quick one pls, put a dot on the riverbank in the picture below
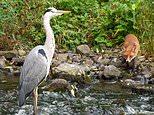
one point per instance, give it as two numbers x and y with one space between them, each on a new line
83 67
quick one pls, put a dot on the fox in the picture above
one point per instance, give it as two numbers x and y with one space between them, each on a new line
130 48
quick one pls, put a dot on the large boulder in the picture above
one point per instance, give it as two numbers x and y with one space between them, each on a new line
62 57
61 85
9 54
111 72
71 72
83 49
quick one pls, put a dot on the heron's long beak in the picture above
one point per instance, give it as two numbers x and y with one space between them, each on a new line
62 12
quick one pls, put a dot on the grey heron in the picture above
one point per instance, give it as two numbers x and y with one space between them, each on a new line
37 63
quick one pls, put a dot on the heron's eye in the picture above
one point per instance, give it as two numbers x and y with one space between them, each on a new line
49 10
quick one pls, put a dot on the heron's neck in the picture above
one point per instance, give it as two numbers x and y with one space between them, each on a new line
50 41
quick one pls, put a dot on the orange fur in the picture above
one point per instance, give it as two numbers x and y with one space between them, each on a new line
131 47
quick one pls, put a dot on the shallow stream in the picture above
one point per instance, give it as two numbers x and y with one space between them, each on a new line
96 99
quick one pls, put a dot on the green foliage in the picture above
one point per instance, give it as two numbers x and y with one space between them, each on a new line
94 22
146 29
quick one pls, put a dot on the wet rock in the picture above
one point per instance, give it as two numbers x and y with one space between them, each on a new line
116 61
105 61
116 51
147 74
76 60
137 86
94 67
109 52
101 67
151 68
57 85
9 54
99 74
71 72
142 79
142 89
61 85
100 60
21 52
111 72
94 58
83 49
88 62
106 56
62 57
129 83
2 61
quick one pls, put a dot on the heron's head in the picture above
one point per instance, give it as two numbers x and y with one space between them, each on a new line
51 12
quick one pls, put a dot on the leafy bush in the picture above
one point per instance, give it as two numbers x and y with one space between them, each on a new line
146 29
93 22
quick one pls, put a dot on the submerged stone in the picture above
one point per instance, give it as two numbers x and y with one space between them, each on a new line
129 83
142 89
57 84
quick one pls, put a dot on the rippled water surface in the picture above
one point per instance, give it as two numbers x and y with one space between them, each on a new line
97 99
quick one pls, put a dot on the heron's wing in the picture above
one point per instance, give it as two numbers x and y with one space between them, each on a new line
34 71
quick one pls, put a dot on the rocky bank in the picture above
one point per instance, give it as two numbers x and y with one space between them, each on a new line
85 67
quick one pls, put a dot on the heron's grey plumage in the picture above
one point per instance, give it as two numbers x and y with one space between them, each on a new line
37 64
34 70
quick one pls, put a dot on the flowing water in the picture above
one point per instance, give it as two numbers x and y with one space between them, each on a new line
96 99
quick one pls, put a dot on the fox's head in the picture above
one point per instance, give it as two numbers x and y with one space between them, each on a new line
129 53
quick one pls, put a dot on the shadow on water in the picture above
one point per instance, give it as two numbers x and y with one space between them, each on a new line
97 99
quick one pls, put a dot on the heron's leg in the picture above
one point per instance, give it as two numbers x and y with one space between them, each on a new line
35 95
